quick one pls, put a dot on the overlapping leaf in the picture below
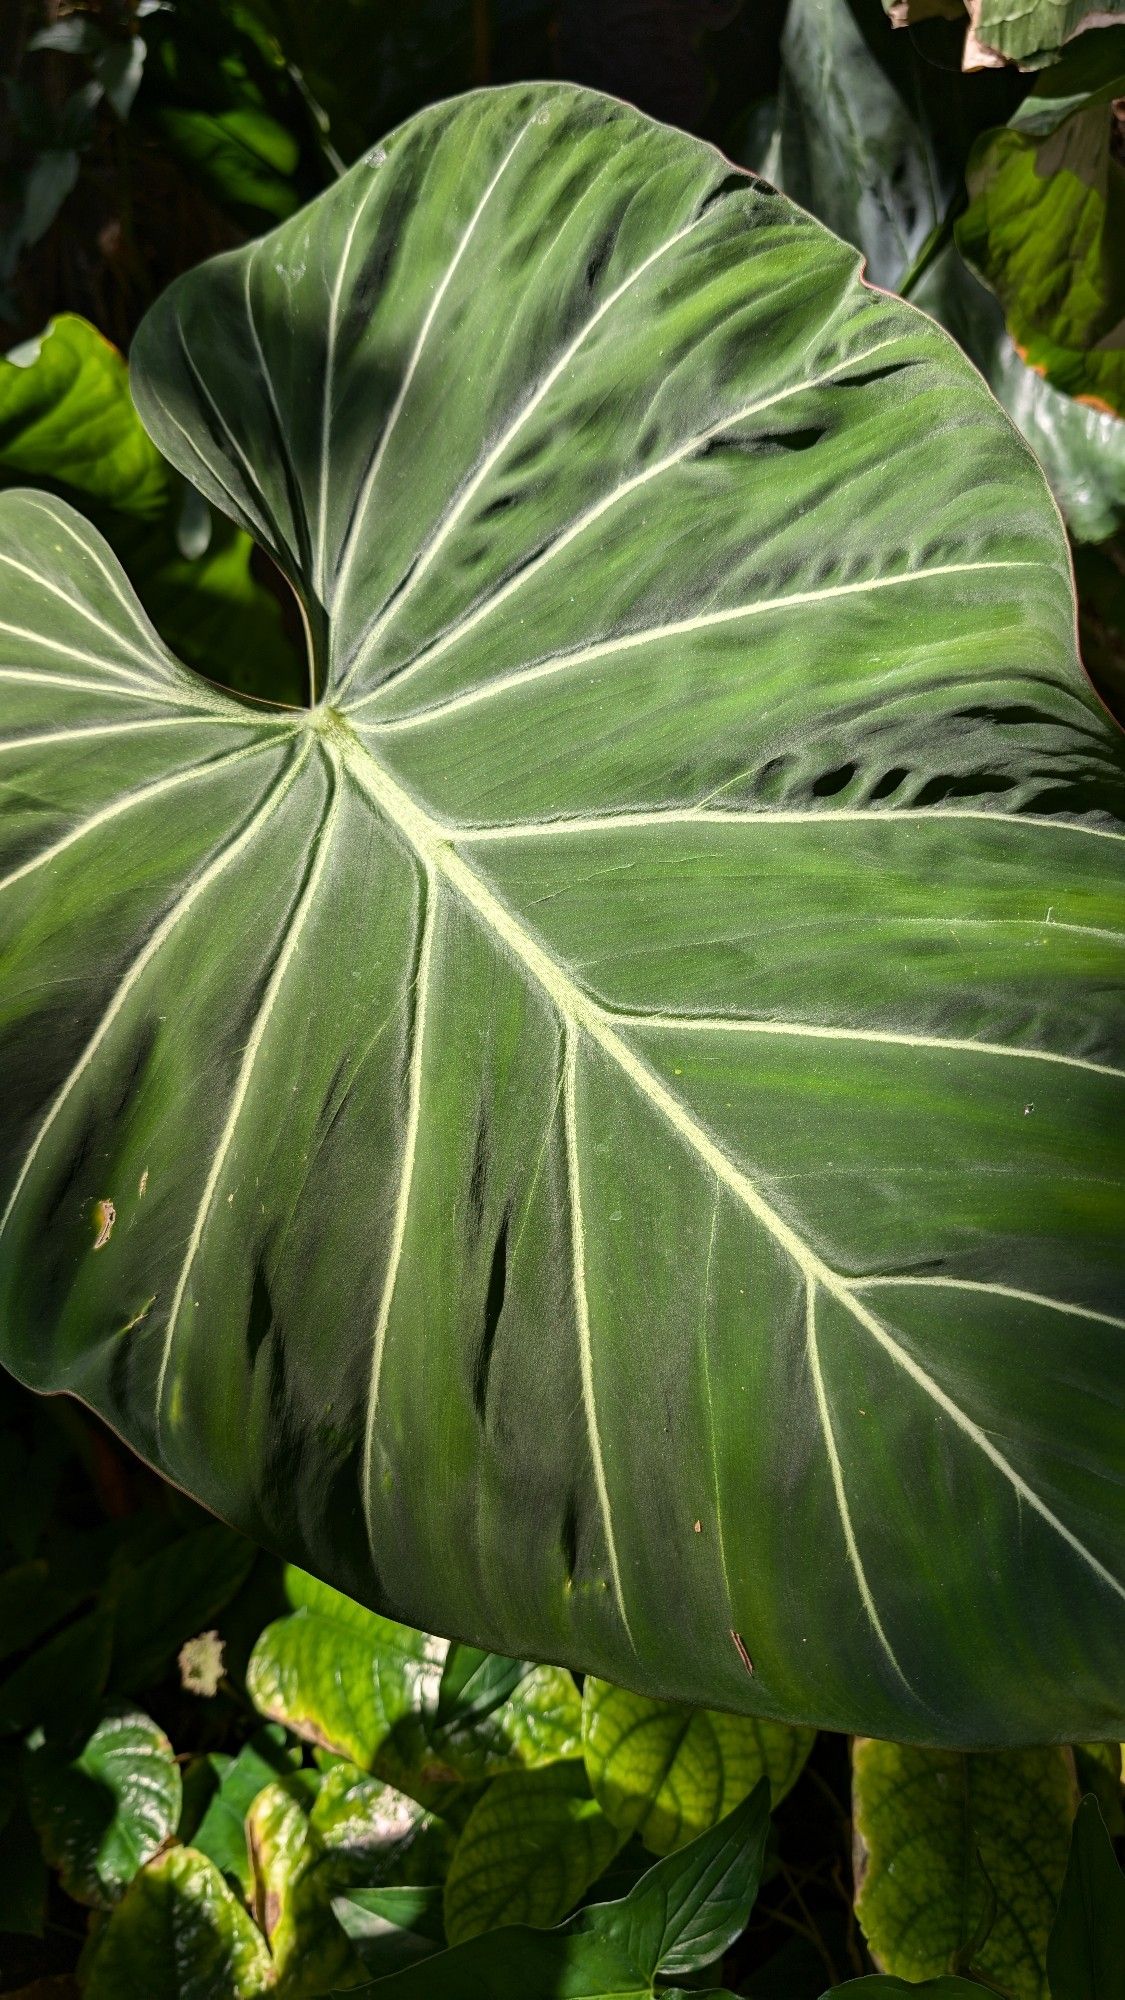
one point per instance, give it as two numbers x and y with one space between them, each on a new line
600 1136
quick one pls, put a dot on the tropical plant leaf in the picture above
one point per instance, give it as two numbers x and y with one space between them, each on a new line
938 1835
160 1602
681 1916
708 842
221 1833
874 138
1032 32
1045 225
103 1812
177 1934
527 1853
1086 1950
313 1839
667 1772
67 421
372 1690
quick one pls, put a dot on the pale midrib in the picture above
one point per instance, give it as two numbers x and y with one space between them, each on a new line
663 816
507 437
839 1488
609 501
289 947
202 718
75 605
164 929
677 628
363 498
814 1031
432 845
194 773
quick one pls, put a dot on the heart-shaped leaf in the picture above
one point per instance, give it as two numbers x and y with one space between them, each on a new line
667 1772
961 1859
103 1812
598 1136
528 1852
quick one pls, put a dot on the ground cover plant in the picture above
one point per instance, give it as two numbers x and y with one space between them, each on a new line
561 1012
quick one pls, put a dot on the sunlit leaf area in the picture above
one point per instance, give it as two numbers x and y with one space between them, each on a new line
562 1074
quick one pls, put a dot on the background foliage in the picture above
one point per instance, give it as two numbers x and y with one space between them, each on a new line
194 1744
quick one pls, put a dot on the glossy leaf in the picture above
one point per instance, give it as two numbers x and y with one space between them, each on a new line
1045 225
370 1689
527 1853
609 1118
667 1772
177 1934
313 1840
221 1833
1086 1951
103 1812
681 1916
938 1836
393 1927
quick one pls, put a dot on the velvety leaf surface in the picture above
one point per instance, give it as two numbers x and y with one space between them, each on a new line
1086 1951
667 1772
527 1853
1033 31
67 420
178 1934
103 1812
922 1819
372 1690
641 1054
1045 226
681 1915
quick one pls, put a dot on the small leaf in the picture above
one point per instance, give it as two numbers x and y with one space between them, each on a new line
667 1772
528 1852
371 1690
921 1819
178 1934
103 1812
394 1926
1043 225
681 1915
1086 1950
313 1839
221 1833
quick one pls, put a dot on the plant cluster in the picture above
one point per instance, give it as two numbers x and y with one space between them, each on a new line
222 1779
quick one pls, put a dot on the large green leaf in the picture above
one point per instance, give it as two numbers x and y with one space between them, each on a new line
1045 226
961 1859
598 1136
668 1772
104 1811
